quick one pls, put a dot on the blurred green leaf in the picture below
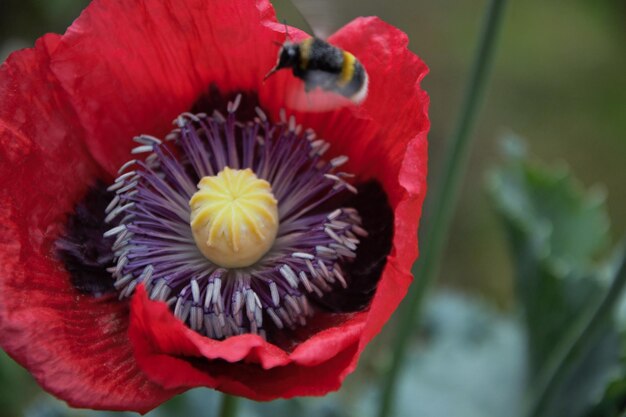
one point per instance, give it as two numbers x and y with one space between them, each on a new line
473 363
613 402
567 226
558 232
470 362
17 386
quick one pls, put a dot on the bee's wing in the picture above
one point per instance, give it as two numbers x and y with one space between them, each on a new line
319 79
315 94
322 16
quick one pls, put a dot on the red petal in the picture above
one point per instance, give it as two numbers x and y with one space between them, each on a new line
399 109
130 67
176 356
390 127
76 346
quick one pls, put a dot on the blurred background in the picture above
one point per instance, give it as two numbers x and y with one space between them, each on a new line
559 82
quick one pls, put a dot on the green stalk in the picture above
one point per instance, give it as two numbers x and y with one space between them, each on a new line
580 341
441 207
229 406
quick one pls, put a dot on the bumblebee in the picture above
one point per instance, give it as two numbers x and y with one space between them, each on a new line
322 65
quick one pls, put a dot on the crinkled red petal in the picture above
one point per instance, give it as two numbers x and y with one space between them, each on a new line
246 365
399 109
391 129
75 345
131 67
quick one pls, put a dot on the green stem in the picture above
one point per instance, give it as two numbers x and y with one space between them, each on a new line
446 195
229 406
580 341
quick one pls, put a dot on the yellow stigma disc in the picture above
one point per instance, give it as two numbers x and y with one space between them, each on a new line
234 217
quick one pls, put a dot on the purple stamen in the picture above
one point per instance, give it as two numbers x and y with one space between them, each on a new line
153 243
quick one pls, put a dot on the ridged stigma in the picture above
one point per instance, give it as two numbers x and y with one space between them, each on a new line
234 217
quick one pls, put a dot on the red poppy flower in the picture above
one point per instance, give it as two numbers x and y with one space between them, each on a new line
85 317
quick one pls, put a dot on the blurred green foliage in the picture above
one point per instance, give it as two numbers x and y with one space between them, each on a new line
558 232
30 19
17 387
